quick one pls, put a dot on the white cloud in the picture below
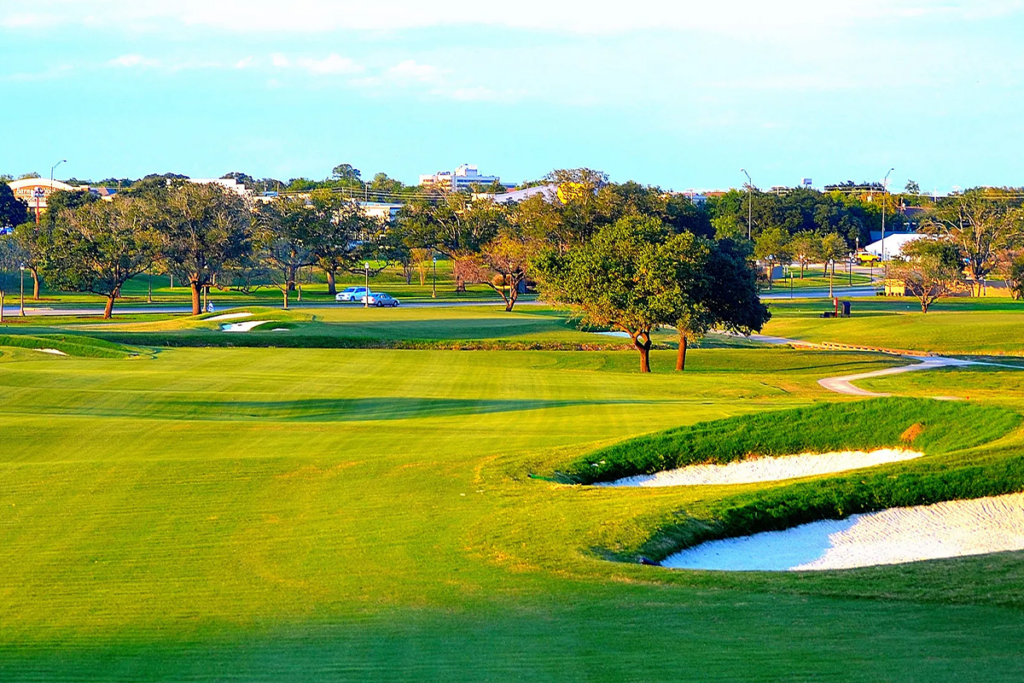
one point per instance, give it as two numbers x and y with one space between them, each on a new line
129 61
279 60
332 64
750 17
411 70
245 63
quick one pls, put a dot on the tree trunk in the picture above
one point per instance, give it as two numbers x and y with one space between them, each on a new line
35 282
513 296
291 278
802 270
681 355
284 290
108 310
195 297
1 305
332 288
644 348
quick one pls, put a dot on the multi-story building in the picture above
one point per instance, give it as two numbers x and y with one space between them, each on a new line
462 178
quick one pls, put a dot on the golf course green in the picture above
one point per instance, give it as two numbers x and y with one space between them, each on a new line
355 499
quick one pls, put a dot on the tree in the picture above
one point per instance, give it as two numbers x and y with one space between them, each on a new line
98 247
205 229
32 236
11 260
723 295
340 235
805 248
772 246
624 277
345 172
284 241
832 248
509 254
455 227
13 211
912 187
930 269
979 223
1015 277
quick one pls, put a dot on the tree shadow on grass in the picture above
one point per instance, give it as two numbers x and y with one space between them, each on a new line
357 409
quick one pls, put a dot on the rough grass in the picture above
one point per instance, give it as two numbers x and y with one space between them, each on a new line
930 426
71 345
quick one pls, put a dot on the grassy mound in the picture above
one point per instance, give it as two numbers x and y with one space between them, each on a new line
927 425
71 345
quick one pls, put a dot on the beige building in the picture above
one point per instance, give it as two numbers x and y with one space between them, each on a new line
34 191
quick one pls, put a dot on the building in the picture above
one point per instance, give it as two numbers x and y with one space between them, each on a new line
462 178
227 183
549 192
383 211
894 243
34 191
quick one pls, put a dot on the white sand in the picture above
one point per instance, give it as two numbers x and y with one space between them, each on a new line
622 335
231 316
927 532
242 327
768 469
53 352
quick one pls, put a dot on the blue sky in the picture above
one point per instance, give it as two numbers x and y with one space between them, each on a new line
678 94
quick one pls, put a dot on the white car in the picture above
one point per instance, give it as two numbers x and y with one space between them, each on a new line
380 299
351 294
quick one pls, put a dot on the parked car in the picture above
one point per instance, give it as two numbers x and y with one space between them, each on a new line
351 294
380 299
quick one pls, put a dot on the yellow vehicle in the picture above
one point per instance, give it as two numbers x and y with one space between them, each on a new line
866 259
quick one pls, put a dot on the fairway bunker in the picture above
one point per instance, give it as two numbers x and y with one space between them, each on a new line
895 536
247 326
230 316
761 469
52 352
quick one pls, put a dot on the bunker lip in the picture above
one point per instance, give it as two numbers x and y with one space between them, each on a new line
761 469
958 528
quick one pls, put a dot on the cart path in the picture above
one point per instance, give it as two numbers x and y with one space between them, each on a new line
844 384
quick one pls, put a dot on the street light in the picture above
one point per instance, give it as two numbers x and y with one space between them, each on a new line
885 184
433 285
52 168
22 291
366 294
750 201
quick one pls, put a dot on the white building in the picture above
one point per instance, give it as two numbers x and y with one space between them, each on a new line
461 178
549 192
894 244
383 211
227 183
34 191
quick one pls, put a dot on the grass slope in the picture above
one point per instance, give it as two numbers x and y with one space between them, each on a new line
318 514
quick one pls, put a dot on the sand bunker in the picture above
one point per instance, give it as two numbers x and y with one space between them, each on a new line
53 352
768 469
242 327
230 316
927 532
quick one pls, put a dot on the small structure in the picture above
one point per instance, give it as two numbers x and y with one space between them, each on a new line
893 244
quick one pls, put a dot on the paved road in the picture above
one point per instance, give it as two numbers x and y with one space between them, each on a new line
842 293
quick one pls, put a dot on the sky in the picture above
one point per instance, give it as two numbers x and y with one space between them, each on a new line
676 94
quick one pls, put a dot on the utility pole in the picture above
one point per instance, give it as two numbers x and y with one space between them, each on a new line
750 201
885 184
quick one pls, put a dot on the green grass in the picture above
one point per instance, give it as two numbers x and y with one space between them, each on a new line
939 426
331 514
967 327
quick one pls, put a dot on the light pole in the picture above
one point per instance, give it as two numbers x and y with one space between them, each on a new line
52 169
750 201
366 295
22 312
433 284
885 183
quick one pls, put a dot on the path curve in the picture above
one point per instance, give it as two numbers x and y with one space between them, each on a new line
843 385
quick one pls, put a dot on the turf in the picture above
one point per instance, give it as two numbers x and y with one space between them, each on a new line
968 327
330 514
